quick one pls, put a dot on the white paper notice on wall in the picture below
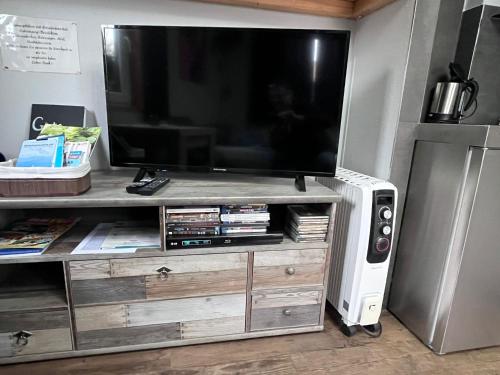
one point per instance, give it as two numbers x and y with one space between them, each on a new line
38 45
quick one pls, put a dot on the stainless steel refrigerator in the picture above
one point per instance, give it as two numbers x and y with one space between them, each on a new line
446 281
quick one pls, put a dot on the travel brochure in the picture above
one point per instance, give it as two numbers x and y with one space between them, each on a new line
59 146
42 153
119 237
33 236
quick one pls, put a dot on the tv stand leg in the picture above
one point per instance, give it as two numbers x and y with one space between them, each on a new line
142 172
300 183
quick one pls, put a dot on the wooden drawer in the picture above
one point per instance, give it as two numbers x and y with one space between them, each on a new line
273 309
290 268
159 321
123 280
46 332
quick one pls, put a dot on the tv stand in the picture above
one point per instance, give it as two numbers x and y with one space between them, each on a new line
158 298
300 183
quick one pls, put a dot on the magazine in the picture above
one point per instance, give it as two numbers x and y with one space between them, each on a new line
72 133
33 236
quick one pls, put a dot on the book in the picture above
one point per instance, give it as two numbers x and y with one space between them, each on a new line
49 113
246 223
59 160
244 209
72 133
193 210
245 217
33 236
202 217
248 229
204 224
76 153
308 227
303 213
38 153
265 223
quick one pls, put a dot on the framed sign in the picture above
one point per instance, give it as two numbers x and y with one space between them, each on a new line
38 45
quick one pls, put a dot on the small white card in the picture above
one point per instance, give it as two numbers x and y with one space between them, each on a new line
38 45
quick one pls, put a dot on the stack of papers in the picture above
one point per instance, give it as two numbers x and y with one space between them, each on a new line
119 237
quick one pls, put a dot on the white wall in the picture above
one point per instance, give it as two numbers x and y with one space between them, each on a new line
19 90
379 55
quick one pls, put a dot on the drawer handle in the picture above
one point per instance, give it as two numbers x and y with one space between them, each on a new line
22 337
287 312
290 270
163 271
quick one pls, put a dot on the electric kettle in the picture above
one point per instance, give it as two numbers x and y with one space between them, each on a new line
453 98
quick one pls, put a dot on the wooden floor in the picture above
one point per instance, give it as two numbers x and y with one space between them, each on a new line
329 352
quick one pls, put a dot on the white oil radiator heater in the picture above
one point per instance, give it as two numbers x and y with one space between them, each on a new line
362 242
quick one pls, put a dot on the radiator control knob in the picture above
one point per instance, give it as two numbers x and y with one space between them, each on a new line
386 230
382 245
385 213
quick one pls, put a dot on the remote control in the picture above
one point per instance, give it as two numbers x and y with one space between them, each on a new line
132 189
153 186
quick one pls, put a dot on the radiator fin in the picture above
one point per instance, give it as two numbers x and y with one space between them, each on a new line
340 238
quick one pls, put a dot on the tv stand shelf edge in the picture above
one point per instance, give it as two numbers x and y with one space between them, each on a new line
107 303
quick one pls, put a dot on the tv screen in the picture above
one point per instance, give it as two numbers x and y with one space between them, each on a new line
264 101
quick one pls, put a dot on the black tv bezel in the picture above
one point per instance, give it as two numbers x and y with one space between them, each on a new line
215 170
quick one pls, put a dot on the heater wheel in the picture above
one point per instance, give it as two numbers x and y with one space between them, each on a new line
349 331
373 330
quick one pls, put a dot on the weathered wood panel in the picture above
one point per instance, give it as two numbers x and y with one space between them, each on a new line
289 257
364 7
40 299
181 310
90 269
28 321
213 327
100 317
197 284
45 341
116 289
6 345
276 298
128 336
177 264
277 277
281 317
248 307
325 8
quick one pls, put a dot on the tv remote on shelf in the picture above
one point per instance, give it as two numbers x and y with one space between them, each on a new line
148 187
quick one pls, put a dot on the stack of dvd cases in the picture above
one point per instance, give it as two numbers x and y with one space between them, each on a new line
306 224
244 219
190 222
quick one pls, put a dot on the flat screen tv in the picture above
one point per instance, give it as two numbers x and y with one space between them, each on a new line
244 100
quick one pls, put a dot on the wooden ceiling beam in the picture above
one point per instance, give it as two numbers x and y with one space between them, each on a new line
364 7
327 8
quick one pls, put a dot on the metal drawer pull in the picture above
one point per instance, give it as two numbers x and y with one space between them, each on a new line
290 270
287 312
22 337
163 271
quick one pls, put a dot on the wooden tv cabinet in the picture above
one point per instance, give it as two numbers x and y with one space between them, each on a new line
59 305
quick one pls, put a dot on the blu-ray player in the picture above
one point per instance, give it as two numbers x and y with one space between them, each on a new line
224 240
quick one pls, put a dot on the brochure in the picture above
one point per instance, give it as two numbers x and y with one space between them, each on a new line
38 153
76 153
33 236
72 133
119 237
